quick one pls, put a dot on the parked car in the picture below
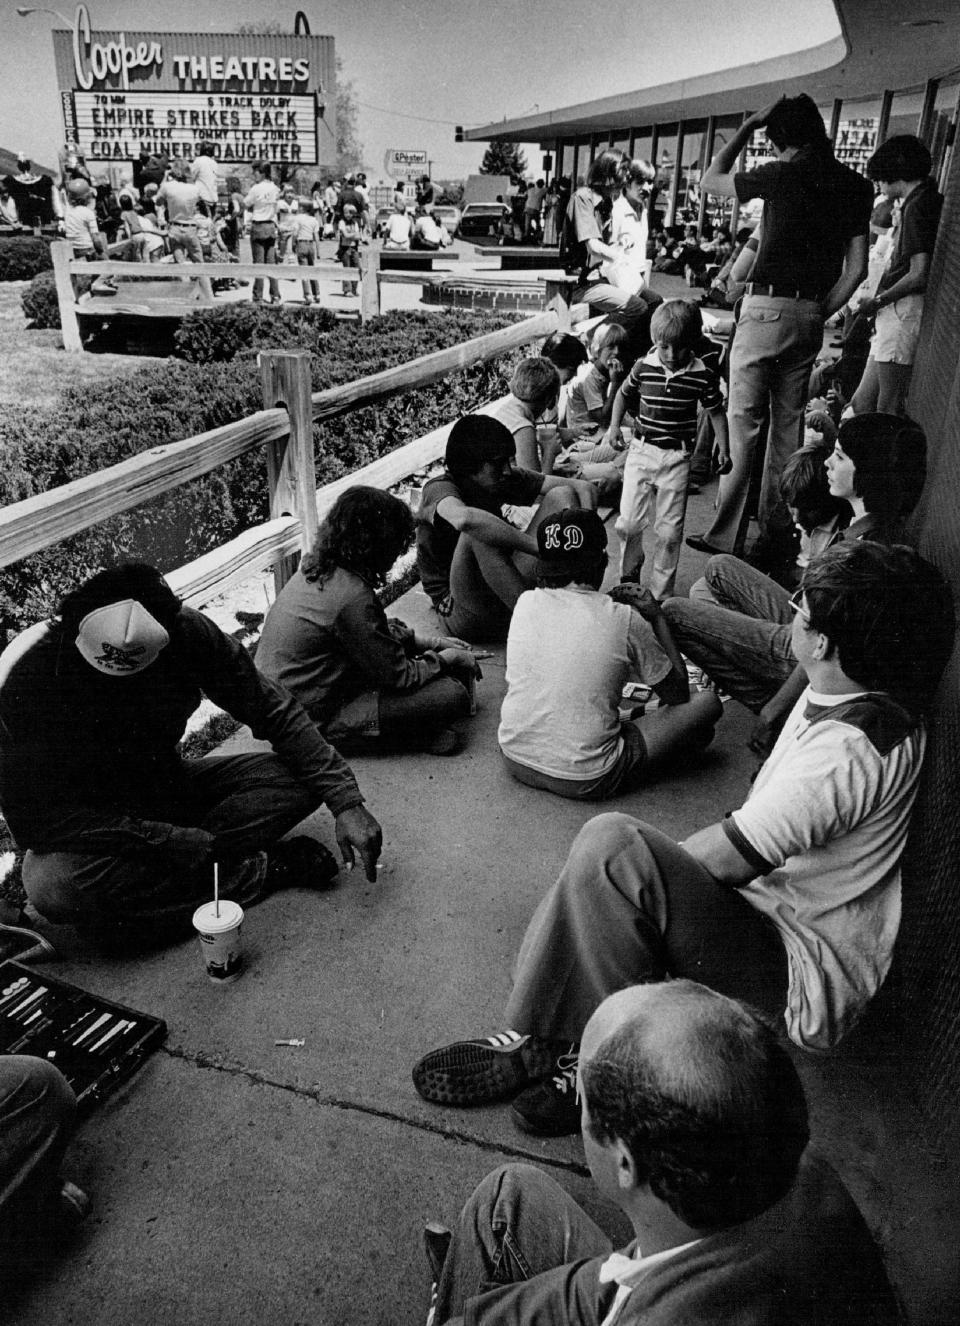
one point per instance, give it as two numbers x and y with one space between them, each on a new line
481 221
448 216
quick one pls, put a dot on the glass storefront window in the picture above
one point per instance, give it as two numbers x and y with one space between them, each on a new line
856 139
566 161
666 165
641 145
688 199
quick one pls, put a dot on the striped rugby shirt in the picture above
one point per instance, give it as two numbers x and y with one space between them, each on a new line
665 404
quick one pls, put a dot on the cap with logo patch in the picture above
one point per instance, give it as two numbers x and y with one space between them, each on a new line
121 639
571 540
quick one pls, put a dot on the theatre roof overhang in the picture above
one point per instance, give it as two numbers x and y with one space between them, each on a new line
884 45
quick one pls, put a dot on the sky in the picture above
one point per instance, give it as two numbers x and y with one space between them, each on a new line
420 67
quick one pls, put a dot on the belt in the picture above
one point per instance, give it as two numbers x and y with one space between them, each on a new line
664 443
779 291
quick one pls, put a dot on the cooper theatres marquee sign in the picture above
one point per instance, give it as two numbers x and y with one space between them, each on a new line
253 97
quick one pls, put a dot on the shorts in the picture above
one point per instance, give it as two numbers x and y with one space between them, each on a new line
625 773
897 331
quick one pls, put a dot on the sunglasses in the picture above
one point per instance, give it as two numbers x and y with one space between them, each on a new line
796 604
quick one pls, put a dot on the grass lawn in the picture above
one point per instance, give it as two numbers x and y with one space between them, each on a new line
33 364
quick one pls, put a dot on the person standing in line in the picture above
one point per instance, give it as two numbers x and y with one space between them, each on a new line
901 166
203 173
261 202
812 257
306 237
180 198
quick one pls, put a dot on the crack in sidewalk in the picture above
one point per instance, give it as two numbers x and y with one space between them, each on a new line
260 1078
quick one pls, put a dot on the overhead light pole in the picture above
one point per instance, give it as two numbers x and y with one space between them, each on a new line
25 11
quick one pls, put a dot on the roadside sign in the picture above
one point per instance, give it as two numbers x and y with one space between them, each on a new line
405 163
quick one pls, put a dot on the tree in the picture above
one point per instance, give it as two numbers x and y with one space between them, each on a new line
349 146
503 158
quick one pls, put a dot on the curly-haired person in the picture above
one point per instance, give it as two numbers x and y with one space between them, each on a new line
364 680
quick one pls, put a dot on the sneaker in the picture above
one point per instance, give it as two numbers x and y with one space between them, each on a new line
300 862
551 1108
446 742
436 1243
481 1071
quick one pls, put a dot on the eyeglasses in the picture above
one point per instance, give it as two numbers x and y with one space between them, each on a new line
796 604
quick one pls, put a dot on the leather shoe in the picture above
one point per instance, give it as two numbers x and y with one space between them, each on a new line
699 544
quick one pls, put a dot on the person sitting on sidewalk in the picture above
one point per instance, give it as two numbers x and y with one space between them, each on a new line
534 392
570 650
737 622
663 392
695 1125
37 1110
591 396
121 832
474 564
366 681
791 902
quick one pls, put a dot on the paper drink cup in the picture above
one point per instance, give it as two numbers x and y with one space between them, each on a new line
221 943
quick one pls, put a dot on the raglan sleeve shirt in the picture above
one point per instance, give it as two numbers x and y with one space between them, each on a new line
226 673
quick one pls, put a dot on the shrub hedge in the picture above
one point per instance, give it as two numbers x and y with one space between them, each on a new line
23 258
97 425
39 300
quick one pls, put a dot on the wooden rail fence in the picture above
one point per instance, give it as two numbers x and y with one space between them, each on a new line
284 427
371 277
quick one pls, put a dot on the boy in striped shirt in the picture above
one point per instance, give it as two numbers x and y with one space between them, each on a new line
663 392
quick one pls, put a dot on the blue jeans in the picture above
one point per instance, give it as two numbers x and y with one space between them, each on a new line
771 356
36 1119
740 634
263 248
248 802
518 1223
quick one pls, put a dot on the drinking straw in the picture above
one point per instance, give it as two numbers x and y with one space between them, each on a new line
216 889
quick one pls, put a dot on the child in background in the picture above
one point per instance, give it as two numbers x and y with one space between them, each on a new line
663 391
568 354
805 488
349 238
591 396
288 209
80 223
534 391
306 237
590 403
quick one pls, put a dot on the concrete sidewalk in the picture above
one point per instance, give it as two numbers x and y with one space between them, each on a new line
237 1181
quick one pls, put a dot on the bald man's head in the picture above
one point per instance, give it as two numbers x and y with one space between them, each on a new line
701 1093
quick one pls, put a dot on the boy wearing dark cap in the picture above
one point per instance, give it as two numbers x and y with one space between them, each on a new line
569 652
473 564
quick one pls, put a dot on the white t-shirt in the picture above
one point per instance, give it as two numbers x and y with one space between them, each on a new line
398 228
569 653
203 172
261 201
827 820
180 199
80 226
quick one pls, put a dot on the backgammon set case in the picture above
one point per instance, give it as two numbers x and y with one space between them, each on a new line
96 1044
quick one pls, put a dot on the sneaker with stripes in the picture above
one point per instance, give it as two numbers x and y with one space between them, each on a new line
478 1072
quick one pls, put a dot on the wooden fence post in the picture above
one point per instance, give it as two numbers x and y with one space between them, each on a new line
62 254
369 284
559 306
291 474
